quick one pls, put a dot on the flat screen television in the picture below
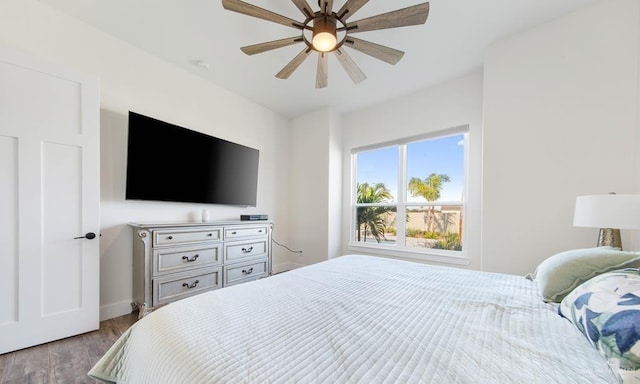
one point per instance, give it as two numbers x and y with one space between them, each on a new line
166 162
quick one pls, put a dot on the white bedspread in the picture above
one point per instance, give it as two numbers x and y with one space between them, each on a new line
358 319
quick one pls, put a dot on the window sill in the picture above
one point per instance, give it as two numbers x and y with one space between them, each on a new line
444 257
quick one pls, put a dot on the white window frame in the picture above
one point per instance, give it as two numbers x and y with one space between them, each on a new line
400 250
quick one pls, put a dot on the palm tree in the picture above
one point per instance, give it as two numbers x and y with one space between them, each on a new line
446 219
429 188
371 218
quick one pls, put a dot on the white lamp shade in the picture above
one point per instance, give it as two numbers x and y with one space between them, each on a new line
607 211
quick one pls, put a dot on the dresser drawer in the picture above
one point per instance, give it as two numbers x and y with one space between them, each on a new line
245 250
178 286
244 232
178 259
239 273
172 237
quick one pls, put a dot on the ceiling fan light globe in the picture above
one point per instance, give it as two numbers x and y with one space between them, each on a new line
324 41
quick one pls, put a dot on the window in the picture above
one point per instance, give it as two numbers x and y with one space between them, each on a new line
421 180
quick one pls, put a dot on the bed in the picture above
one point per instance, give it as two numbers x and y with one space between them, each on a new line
359 319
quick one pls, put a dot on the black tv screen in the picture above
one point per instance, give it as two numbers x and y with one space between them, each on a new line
166 162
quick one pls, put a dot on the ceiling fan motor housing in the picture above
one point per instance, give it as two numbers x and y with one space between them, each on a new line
324 33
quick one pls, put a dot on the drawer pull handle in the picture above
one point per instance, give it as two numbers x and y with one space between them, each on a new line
189 260
247 271
190 286
234 233
260 231
169 237
210 234
247 250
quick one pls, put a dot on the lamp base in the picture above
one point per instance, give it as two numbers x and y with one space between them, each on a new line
609 237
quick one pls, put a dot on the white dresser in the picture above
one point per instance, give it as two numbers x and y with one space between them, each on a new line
172 261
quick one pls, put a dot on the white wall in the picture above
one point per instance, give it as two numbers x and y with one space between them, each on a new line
553 115
560 120
314 138
134 80
560 107
334 193
454 103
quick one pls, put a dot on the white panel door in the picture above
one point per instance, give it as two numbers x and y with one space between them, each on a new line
49 195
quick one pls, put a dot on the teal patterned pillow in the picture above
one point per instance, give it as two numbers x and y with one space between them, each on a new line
606 309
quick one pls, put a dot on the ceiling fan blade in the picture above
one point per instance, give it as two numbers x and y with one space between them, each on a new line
293 64
350 7
263 47
350 66
326 6
304 7
322 77
380 52
413 15
260 13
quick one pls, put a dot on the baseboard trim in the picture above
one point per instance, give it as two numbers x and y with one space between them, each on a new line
283 267
118 309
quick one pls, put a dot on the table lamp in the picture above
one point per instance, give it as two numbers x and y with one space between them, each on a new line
610 213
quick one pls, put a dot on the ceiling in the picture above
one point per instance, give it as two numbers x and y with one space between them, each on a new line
183 32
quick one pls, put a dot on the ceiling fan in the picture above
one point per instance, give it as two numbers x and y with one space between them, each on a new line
327 31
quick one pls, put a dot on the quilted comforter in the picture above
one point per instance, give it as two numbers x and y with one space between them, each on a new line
358 319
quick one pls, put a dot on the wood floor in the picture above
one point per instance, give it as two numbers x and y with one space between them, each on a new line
64 361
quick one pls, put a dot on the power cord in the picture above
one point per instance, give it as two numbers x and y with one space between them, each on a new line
282 245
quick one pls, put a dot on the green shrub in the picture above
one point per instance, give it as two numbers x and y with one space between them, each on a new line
420 234
417 233
451 242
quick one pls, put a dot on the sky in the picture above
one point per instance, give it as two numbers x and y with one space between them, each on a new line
441 156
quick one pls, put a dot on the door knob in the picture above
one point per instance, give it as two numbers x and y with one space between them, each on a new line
88 236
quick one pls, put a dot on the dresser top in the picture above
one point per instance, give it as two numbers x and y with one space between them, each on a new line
167 224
